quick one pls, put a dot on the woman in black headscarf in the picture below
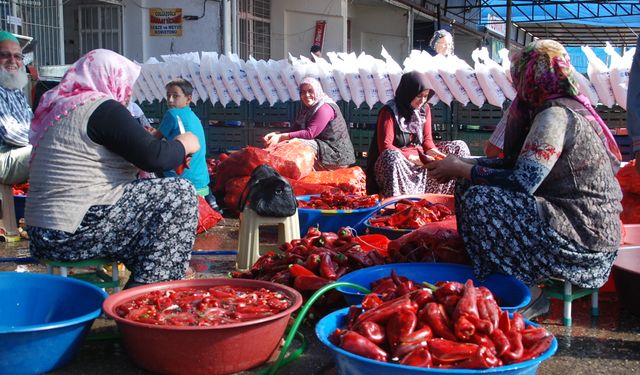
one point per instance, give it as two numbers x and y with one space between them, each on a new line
402 143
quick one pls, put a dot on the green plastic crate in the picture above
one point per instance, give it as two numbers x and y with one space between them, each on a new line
614 117
265 113
225 138
256 134
361 139
363 114
484 118
474 139
153 111
232 112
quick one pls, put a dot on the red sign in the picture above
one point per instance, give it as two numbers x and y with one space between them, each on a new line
318 37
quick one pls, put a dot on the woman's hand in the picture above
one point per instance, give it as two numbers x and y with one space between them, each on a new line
190 143
449 168
436 154
415 159
274 138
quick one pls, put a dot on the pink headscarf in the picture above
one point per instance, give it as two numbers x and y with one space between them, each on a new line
99 74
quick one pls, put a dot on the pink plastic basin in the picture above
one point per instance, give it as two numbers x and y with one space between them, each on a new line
626 273
202 350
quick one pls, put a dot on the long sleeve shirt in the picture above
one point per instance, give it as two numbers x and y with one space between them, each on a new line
316 124
15 117
386 132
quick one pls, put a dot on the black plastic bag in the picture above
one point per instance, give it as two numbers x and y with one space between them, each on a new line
268 193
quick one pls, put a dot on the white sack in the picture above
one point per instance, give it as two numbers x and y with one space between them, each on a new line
340 75
490 88
223 93
446 67
240 76
599 75
327 80
498 74
586 88
393 68
206 78
365 68
225 67
382 81
265 81
254 80
467 78
286 72
619 75
277 81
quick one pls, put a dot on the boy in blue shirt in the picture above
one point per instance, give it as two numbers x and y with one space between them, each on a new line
180 118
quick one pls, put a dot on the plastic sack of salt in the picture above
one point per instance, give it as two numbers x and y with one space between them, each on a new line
254 81
586 88
411 64
194 70
241 78
490 88
506 63
467 78
327 80
498 74
393 68
353 77
340 75
426 62
365 68
225 67
447 69
146 86
619 75
382 81
600 76
277 81
224 97
188 76
206 78
286 72
264 79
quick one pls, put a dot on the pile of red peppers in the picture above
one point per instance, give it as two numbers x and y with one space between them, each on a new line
313 261
410 214
337 199
455 326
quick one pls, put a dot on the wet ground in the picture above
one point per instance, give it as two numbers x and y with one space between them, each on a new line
608 344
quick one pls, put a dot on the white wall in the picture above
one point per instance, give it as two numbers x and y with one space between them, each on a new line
293 26
374 26
203 34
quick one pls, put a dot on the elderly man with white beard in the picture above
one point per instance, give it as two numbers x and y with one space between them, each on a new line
15 113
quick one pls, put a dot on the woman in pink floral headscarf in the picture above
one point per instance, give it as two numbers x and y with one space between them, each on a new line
551 207
84 199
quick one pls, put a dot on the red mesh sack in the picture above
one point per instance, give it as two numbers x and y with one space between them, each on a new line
207 216
234 188
629 178
436 242
354 177
630 208
302 188
297 152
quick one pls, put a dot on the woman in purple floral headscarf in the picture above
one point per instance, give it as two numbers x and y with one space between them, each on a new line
551 207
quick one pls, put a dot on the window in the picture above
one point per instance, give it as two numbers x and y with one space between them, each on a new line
254 21
100 26
40 20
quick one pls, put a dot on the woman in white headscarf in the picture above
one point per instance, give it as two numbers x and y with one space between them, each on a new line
321 125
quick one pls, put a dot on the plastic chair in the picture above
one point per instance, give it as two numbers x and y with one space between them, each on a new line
8 215
566 292
99 277
249 236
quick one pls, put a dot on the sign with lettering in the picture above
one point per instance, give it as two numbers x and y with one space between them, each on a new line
318 37
495 24
165 21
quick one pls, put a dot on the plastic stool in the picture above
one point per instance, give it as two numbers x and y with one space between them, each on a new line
564 291
8 215
98 277
249 237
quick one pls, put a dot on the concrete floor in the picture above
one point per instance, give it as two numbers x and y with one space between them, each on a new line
608 344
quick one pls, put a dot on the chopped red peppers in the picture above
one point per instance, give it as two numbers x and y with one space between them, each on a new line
203 307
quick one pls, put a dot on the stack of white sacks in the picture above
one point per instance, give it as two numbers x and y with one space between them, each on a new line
365 79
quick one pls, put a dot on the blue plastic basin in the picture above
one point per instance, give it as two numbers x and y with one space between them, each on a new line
43 320
333 220
352 364
511 293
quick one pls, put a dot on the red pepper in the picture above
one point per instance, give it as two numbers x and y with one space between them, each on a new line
501 341
371 300
482 358
327 269
537 349
504 323
345 234
401 324
482 326
483 340
355 343
405 348
448 288
517 322
372 331
313 262
326 239
422 334
532 335
434 315
298 270
422 297
282 277
313 232
302 283
383 312
451 351
450 302
287 246
352 315
417 358
516 351
467 305
463 328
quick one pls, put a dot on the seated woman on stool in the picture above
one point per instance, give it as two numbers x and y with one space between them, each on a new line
320 124
403 132
551 207
84 199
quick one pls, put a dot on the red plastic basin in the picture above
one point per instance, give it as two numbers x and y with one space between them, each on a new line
202 350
